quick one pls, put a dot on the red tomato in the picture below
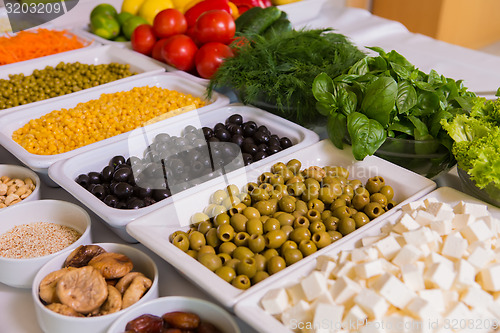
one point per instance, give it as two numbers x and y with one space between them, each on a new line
169 22
215 26
143 39
156 53
210 56
179 51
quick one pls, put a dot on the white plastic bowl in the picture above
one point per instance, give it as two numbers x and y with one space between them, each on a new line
17 171
40 163
20 273
52 322
65 172
206 310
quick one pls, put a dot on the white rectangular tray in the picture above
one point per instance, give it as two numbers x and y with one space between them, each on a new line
40 163
65 172
140 64
249 308
153 230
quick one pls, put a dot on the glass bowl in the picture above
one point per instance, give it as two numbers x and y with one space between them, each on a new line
490 193
428 158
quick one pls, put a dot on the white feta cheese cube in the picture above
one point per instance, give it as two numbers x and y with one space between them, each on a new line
442 227
405 223
275 301
434 258
327 317
412 277
374 305
492 223
344 269
407 255
476 297
358 255
434 297
440 210
423 235
368 269
480 257
354 318
425 248
295 293
439 275
393 290
476 210
424 218
429 201
420 308
460 221
466 274
323 262
476 232
369 240
450 298
399 238
344 256
388 247
344 289
412 206
490 278
313 285
454 247
457 312
494 309
297 315
389 267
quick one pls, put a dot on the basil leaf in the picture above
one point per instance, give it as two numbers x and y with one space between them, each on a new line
377 49
424 86
359 68
464 102
379 99
421 130
325 109
434 78
400 70
407 97
395 58
336 128
367 135
346 78
403 127
498 92
436 121
322 88
377 63
427 103
347 101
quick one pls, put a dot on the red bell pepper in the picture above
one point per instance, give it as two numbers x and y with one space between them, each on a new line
244 5
194 12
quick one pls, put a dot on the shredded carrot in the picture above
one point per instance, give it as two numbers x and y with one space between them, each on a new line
30 44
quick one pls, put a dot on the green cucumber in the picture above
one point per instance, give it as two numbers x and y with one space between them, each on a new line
263 20
245 18
278 27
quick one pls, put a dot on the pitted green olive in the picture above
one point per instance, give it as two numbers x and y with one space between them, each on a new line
225 232
259 276
375 184
331 223
379 198
321 239
227 247
287 229
275 264
317 226
246 267
257 243
275 238
373 210
238 222
242 252
271 224
313 215
285 219
221 219
181 240
196 240
241 282
307 247
291 256
226 273
241 239
346 225
287 203
301 221
387 191
360 219
300 234
294 165
296 189
210 261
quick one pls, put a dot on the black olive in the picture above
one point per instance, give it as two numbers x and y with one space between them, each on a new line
264 129
107 173
122 174
249 148
249 140
219 126
99 191
142 191
83 180
190 137
213 139
234 129
207 132
198 143
238 139
259 155
261 137
94 177
197 168
133 160
176 165
273 149
121 205
285 142
135 203
189 129
131 179
223 134
90 187
180 142
117 160
123 190
262 147
274 141
159 195
148 201
247 158
235 119
162 137
249 128
110 200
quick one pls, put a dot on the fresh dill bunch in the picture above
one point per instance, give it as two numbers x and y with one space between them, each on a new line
280 70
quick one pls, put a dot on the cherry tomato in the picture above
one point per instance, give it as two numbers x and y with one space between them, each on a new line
143 39
179 51
156 53
215 26
169 22
210 56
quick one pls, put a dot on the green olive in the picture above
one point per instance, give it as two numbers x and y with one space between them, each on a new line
360 219
287 203
217 209
375 184
226 273
307 247
181 241
275 264
212 238
269 253
192 253
259 276
267 187
205 249
287 229
362 191
273 206
218 196
331 181
289 244
391 204
236 209
287 174
227 247
232 263
387 191
264 218
241 239
301 207
249 187
331 223
285 219
277 214
341 212
259 194
278 167
317 226
337 203
275 238
260 262
373 210
281 188
300 234
310 194
314 172
326 195
231 202
246 267
316 204
196 240
346 225
346 198
295 179
296 189
334 235
277 179
175 233
326 214
257 243
251 212
311 183
355 183
380 198
321 239
313 215
265 177
349 191
255 226
241 282
204 226
246 199
359 201
337 171
301 221
225 232
221 219
239 222
294 165
242 252
271 224
264 207
210 261
199 217
292 256
232 190
224 257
